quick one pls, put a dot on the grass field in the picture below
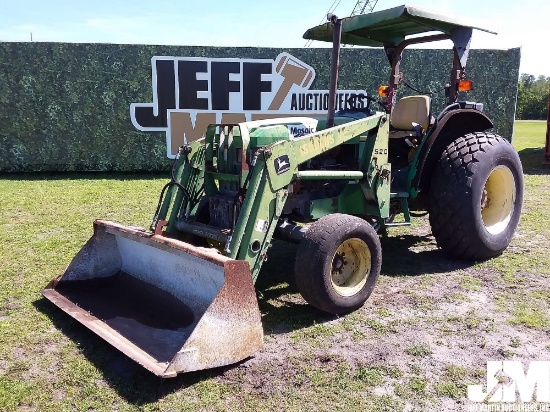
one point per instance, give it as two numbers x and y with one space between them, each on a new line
423 336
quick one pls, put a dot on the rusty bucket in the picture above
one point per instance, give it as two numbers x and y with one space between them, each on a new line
170 306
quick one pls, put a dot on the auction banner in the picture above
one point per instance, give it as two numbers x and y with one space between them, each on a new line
191 93
114 107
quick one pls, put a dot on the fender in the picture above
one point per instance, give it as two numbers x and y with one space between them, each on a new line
452 125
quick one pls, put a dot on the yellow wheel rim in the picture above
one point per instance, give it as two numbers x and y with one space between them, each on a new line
351 265
497 200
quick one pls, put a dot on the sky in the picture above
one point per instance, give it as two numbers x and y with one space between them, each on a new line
278 23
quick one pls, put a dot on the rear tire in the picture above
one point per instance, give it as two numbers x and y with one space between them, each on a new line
476 196
338 263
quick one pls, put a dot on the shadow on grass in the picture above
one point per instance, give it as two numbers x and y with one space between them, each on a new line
33 176
405 255
282 313
131 381
413 255
532 159
283 310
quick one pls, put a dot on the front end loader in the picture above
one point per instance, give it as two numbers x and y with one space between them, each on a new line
180 297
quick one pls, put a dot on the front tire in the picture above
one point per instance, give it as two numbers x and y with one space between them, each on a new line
476 195
338 263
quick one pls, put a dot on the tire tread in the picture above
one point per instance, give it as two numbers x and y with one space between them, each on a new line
316 248
451 181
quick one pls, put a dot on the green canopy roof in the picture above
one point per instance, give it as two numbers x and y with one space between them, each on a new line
390 26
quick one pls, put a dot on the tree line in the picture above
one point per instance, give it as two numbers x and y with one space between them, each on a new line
532 97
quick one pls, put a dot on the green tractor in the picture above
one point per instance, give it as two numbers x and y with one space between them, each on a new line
181 296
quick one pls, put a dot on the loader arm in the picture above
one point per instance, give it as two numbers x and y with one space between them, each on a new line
230 160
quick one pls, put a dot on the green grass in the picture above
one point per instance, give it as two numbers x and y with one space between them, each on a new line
449 389
43 222
418 384
531 316
529 140
372 376
515 342
420 350
12 392
366 360
530 131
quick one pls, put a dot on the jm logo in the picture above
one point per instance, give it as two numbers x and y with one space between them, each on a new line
504 378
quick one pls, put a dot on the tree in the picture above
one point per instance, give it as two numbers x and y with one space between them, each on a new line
532 101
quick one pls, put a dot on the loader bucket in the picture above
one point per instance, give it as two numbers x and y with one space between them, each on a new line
170 306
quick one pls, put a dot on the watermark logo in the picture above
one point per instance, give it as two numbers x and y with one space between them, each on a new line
508 383
189 93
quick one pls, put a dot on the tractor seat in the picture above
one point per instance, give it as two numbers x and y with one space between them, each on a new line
409 110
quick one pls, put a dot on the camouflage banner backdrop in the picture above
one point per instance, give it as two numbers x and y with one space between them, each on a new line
66 107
